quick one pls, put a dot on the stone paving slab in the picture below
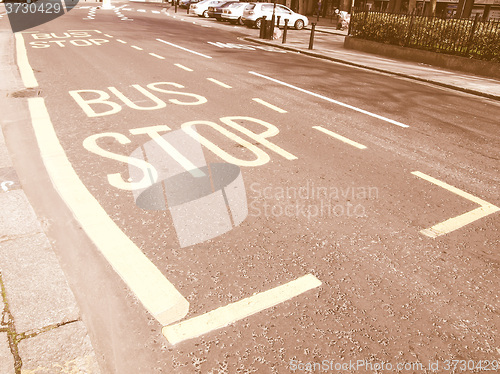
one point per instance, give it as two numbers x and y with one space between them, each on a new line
17 217
37 291
6 358
66 349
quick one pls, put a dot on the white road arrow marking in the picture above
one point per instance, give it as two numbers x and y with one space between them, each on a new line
457 222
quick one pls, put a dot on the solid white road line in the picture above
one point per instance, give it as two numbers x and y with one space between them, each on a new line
330 100
25 69
234 312
183 67
184 49
340 137
273 107
136 47
457 222
219 83
156 293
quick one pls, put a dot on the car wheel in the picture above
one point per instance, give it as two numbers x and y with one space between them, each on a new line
205 14
240 21
299 24
258 23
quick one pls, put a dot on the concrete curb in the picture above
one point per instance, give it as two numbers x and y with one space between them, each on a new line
41 328
403 75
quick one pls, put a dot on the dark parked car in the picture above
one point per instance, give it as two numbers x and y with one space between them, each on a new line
216 11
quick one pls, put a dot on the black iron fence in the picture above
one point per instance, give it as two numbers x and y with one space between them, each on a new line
472 38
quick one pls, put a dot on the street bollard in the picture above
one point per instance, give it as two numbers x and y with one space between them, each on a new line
175 5
284 31
262 34
311 39
270 28
278 21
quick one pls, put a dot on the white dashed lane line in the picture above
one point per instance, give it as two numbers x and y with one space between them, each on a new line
157 56
121 41
183 67
271 106
219 83
136 47
340 137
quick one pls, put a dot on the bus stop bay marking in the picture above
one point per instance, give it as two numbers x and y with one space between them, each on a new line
156 293
75 38
457 222
150 174
226 315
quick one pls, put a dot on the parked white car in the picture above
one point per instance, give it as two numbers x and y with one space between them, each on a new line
255 12
201 8
234 12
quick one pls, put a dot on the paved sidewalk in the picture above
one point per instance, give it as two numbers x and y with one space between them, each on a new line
40 330
329 44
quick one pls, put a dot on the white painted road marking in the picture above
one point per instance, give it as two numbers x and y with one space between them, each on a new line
136 47
156 293
183 67
273 107
330 100
25 69
340 137
157 56
121 41
219 83
184 49
457 222
224 316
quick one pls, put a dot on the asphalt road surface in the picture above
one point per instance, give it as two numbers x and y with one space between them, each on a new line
223 207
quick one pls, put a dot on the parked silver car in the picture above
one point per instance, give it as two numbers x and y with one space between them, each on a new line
255 12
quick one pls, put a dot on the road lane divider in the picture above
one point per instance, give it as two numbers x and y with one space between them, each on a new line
27 74
457 222
121 41
152 288
184 49
226 315
183 67
271 106
340 137
330 100
219 83
136 47
157 56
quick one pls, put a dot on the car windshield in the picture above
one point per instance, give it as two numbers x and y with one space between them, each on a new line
250 6
236 5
